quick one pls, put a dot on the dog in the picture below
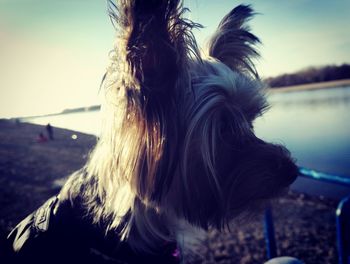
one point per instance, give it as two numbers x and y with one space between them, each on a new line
177 149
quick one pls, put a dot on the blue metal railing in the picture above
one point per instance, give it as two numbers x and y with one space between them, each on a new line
269 232
325 177
343 230
342 217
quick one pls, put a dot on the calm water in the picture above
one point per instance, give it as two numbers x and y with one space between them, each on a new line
314 125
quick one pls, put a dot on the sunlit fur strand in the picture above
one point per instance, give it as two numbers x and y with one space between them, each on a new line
130 155
150 95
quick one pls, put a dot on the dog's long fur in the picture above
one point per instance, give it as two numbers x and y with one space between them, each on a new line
178 144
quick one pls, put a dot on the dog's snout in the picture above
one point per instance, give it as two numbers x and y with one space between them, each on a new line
285 165
278 161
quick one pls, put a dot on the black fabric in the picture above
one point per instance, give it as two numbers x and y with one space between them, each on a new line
59 233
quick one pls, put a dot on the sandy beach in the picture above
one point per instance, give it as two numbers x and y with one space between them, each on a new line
30 170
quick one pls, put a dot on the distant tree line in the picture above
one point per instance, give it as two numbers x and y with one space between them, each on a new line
311 75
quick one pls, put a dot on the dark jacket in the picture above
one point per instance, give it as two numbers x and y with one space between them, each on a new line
59 233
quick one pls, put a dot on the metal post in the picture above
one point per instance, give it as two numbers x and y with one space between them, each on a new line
343 230
269 231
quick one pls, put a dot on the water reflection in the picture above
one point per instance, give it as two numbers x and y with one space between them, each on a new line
314 125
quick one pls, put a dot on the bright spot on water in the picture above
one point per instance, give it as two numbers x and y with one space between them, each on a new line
74 136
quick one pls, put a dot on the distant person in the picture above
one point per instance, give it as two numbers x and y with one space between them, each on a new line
49 130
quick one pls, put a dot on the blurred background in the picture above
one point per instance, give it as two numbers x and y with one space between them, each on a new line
53 55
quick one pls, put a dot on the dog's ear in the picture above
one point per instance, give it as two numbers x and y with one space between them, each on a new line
156 40
153 49
233 43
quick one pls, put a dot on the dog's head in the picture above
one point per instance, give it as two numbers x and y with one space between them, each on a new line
223 168
180 137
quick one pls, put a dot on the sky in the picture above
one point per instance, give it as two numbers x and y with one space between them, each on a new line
53 53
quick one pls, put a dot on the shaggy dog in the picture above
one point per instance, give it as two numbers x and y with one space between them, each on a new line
178 149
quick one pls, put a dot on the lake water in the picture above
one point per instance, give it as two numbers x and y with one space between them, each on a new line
314 125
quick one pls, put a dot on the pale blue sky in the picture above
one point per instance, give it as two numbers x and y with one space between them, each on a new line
53 53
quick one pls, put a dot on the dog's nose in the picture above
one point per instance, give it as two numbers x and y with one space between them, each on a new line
279 161
286 167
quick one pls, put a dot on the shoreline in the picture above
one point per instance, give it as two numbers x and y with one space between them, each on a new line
292 88
311 86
